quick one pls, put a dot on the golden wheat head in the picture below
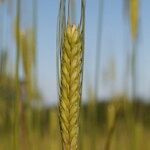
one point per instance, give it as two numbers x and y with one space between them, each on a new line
71 76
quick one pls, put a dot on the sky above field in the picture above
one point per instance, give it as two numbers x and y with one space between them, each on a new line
115 44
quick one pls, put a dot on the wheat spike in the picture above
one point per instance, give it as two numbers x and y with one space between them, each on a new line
134 15
70 86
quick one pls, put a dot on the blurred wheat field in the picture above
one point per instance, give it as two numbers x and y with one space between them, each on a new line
101 100
45 131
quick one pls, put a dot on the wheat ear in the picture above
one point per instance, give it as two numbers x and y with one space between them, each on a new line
70 86
134 16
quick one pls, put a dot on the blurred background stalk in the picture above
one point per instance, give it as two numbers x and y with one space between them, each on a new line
134 19
16 102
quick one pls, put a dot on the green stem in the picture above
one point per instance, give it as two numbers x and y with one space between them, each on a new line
16 103
110 135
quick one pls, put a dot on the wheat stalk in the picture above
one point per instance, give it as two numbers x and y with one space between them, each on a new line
16 102
70 86
134 21
114 109
137 126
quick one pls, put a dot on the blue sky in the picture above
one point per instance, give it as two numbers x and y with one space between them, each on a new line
115 42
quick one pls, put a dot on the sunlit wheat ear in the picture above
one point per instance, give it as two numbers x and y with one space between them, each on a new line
70 86
134 16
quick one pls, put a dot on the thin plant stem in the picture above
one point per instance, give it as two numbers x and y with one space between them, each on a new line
16 102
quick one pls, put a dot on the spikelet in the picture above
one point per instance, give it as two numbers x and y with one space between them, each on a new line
70 95
134 16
